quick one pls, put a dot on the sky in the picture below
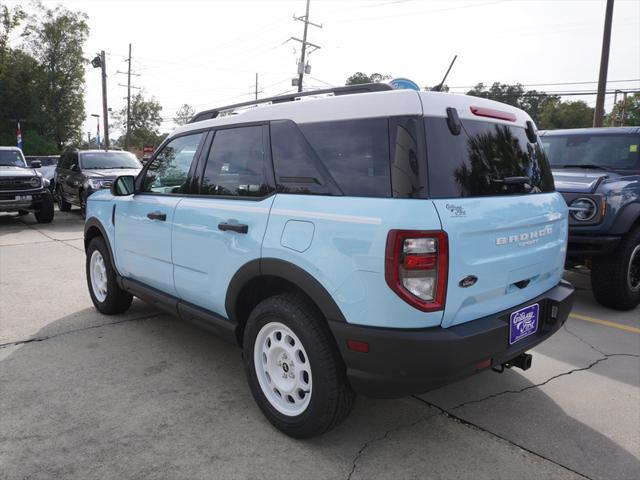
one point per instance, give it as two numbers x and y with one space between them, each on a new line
207 53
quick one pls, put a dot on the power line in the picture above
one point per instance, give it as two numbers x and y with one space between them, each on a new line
558 83
303 65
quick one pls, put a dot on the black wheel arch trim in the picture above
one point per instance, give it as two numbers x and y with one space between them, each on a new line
93 222
274 267
625 220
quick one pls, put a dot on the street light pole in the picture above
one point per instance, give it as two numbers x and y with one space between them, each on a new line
105 112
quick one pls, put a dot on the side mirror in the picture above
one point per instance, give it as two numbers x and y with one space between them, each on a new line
123 185
74 167
36 164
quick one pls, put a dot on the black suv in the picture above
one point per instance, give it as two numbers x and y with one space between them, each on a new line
22 188
82 172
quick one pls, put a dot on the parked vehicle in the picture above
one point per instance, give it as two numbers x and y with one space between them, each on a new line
597 170
22 188
81 172
373 241
48 167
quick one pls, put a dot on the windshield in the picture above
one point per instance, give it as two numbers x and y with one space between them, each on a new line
605 151
100 160
11 158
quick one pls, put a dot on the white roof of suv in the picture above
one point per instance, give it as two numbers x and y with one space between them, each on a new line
363 105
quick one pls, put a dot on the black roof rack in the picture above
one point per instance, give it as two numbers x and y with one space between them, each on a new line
347 90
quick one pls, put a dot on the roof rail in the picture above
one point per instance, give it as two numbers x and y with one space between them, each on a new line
346 90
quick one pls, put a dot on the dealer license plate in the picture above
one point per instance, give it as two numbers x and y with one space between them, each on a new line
523 323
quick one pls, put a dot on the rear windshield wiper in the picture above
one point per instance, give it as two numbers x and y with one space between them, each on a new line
511 180
588 165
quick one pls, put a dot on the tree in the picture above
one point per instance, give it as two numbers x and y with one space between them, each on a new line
144 122
55 38
631 111
531 101
359 78
184 114
10 19
558 114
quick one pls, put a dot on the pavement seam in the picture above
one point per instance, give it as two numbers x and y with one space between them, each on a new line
91 327
54 239
468 424
597 349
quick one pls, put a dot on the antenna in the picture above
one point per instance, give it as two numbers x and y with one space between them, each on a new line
438 87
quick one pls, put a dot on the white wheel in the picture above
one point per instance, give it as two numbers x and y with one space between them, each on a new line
98 274
283 369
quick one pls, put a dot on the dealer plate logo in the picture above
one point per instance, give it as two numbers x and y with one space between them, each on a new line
523 323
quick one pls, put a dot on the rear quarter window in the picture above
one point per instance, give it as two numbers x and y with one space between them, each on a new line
483 160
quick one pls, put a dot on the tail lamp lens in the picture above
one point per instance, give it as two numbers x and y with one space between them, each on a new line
416 265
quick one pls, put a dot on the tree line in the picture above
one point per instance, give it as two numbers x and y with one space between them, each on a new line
548 111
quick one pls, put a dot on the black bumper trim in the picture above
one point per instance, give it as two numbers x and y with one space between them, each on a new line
403 362
582 245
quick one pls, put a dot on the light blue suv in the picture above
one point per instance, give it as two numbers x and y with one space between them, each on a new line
357 239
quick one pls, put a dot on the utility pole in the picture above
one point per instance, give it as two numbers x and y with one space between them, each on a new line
126 138
302 67
128 73
624 107
256 85
598 116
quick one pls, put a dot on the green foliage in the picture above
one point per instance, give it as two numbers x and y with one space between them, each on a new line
359 78
42 80
184 114
557 114
531 101
631 112
144 122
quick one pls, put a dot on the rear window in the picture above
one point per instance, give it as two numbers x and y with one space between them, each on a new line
612 151
485 159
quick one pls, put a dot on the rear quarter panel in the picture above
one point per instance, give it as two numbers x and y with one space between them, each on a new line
346 251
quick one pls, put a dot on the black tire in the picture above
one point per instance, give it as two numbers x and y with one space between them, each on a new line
63 205
116 300
331 396
610 274
45 213
83 204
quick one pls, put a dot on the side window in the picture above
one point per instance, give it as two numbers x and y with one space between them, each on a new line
356 154
298 169
169 171
236 163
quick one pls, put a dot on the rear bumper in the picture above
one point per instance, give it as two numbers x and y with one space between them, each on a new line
405 362
590 245
15 201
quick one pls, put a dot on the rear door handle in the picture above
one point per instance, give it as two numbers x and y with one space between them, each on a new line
157 216
234 227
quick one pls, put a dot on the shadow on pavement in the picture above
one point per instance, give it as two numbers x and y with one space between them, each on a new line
153 397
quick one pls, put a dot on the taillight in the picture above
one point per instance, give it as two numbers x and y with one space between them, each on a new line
416 264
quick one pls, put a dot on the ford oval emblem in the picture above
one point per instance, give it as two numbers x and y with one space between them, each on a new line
468 281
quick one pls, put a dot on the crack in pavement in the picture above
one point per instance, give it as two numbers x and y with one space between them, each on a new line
468 424
366 444
605 356
48 337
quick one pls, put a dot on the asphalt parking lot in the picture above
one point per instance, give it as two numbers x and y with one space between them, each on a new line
144 395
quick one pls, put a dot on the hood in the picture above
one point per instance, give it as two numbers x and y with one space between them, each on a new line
111 172
580 180
7 171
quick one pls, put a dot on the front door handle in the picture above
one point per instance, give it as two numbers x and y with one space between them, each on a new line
234 227
162 217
